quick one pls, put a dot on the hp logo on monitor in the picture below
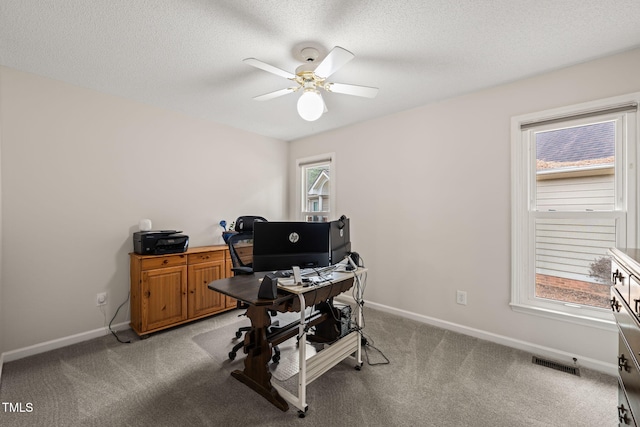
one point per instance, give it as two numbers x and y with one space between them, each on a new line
294 237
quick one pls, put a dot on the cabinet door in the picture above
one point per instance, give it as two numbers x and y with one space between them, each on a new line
203 300
164 297
229 302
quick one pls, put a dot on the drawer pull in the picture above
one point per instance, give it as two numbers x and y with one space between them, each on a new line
147 294
166 261
622 363
622 415
615 305
617 275
636 301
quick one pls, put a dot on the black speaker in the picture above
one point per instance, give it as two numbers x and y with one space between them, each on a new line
268 287
355 256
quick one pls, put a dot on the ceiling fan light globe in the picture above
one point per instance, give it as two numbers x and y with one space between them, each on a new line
310 105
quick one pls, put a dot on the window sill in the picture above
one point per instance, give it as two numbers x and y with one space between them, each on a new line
604 324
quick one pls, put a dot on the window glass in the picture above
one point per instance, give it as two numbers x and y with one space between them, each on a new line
575 168
574 196
316 193
572 263
575 171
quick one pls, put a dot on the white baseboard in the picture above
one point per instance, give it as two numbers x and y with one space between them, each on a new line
20 353
534 349
559 355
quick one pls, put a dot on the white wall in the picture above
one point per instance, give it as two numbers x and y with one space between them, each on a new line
80 169
428 192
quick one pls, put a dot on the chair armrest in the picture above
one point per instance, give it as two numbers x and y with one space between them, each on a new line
242 270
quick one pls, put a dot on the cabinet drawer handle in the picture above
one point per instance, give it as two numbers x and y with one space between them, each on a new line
615 305
622 415
636 301
617 275
147 294
622 363
166 261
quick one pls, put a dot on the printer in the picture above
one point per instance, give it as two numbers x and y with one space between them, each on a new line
159 242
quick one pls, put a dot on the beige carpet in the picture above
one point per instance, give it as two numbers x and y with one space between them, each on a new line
181 377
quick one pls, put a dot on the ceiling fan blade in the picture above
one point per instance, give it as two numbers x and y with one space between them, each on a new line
365 91
333 62
275 94
269 68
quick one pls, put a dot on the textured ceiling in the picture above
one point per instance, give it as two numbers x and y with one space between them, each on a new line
186 55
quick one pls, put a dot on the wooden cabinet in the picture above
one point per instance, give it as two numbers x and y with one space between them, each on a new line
168 290
163 297
625 303
204 268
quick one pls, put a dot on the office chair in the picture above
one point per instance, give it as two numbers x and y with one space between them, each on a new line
240 266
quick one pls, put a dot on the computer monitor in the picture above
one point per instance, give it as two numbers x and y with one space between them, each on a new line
282 245
340 240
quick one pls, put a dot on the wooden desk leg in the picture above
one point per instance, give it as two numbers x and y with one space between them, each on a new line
256 373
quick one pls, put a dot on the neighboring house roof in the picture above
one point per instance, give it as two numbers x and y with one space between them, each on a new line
318 187
578 145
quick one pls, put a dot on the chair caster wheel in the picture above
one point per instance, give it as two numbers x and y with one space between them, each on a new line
232 355
238 334
276 358
302 414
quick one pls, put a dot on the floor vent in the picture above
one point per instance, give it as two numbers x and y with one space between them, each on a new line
573 370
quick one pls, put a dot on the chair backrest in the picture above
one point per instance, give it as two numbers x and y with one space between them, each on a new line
244 228
244 224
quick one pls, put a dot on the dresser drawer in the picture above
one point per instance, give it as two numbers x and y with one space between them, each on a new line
620 279
163 261
625 417
634 295
628 371
627 323
206 257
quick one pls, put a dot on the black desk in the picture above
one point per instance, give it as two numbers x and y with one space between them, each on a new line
258 343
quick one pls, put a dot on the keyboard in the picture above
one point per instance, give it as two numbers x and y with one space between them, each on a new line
317 271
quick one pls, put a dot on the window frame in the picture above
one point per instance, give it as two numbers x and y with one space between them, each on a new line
300 202
523 161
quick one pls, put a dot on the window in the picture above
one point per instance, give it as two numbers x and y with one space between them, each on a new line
573 197
316 185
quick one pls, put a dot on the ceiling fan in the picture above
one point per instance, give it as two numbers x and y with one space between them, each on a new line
310 78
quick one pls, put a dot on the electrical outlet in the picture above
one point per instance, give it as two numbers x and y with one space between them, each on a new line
101 299
461 297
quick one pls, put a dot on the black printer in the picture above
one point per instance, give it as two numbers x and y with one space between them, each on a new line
159 242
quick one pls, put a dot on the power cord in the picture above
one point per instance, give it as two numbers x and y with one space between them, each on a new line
367 343
113 318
